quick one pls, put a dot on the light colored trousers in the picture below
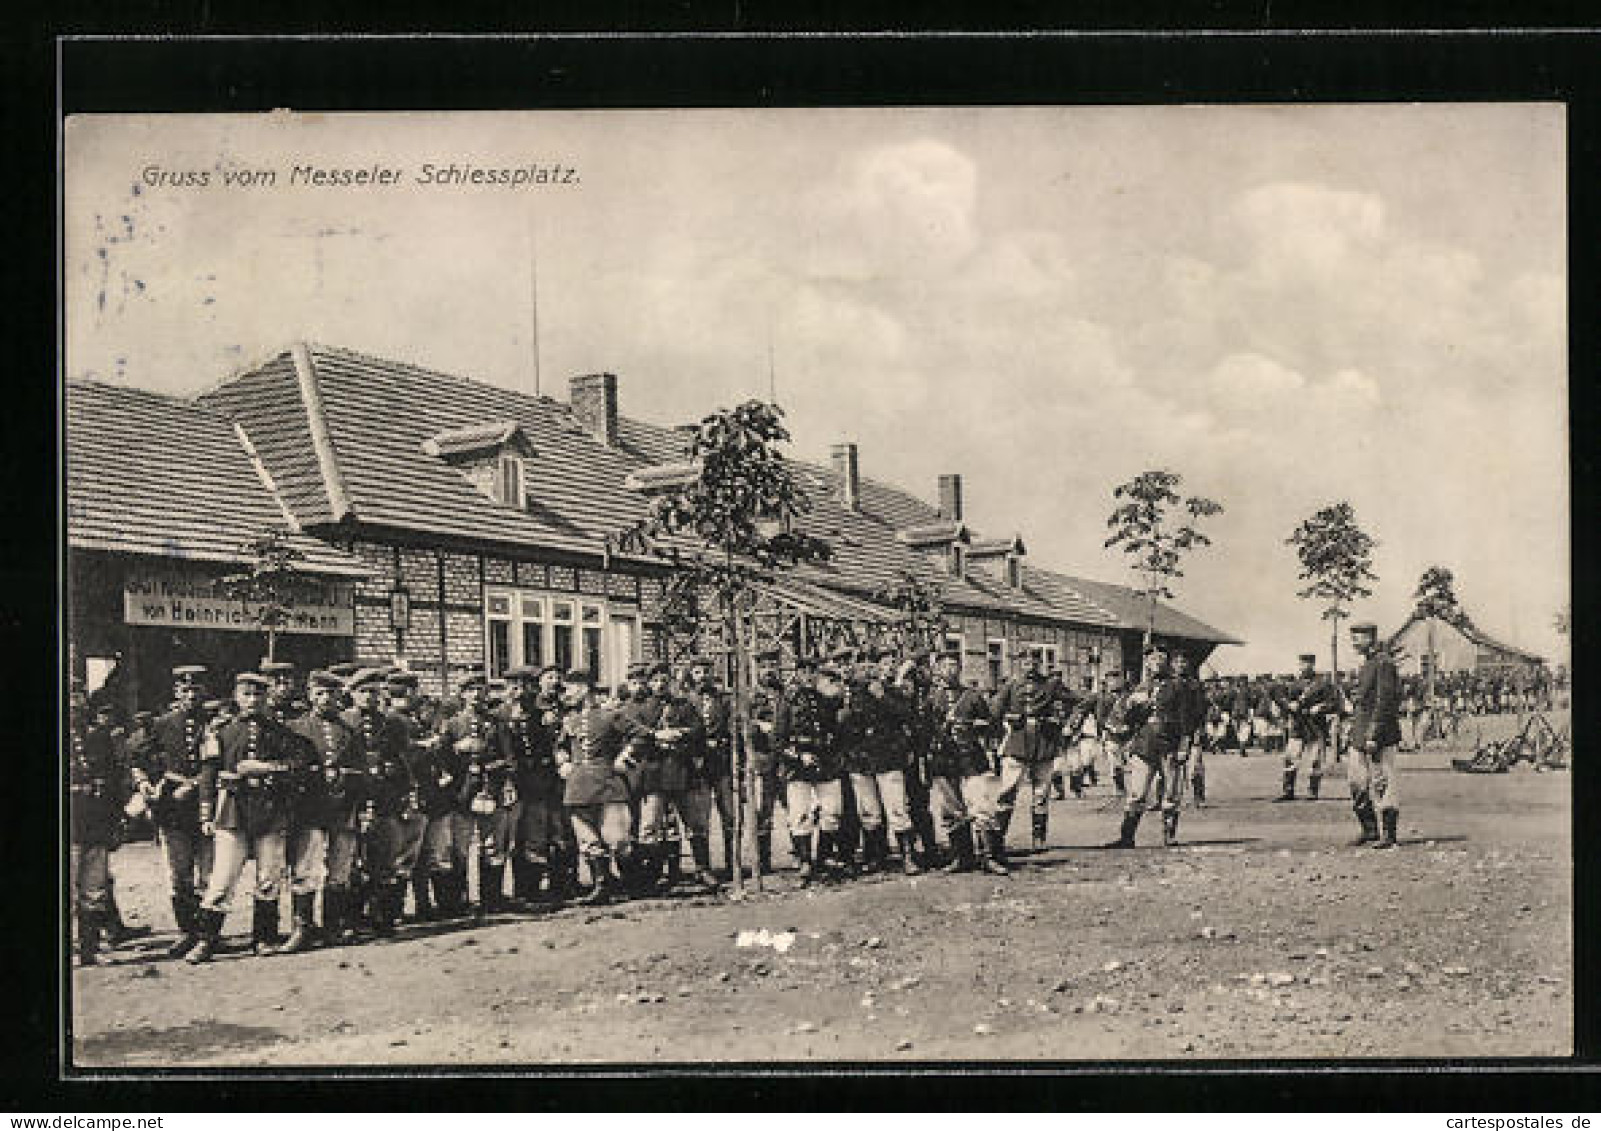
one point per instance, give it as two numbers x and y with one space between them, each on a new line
814 806
881 797
233 850
1010 780
1152 785
307 850
1372 777
1305 755
602 828
957 801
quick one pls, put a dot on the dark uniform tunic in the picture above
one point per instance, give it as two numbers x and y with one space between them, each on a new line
1031 705
680 765
1313 691
959 719
533 729
332 788
252 804
714 708
174 763
595 736
488 769
98 785
1377 703
807 723
1159 729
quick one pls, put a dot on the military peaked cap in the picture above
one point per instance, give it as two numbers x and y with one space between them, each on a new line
275 667
366 677
471 679
324 681
1365 628
251 679
580 675
523 671
1308 657
188 673
637 671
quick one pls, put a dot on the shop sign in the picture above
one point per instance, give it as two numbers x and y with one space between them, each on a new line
171 599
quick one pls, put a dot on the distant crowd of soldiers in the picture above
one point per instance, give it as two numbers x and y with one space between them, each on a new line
352 789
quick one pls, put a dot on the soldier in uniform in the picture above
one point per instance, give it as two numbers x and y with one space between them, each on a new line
1030 710
875 728
1312 703
244 801
533 725
715 710
439 770
384 747
1153 714
284 700
404 716
98 784
657 844
599 745
1192 729
170 780
762 786
958 720
682 788
1375 735
488 788
805 736
321 816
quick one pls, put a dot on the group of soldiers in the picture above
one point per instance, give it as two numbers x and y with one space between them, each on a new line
352 789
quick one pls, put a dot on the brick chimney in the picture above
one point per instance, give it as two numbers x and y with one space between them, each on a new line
848 467
950 497
593 397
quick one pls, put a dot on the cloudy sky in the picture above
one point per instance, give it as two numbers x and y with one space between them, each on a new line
1289 306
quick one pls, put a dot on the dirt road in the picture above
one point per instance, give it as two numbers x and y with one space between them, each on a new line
1262 936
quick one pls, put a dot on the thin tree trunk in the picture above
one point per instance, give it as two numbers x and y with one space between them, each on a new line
736 755
1339 693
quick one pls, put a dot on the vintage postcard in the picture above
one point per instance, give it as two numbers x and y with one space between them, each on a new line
815 586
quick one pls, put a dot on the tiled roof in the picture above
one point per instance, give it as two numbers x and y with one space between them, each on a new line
156 475
1131 610
465 441
377 413
1474 633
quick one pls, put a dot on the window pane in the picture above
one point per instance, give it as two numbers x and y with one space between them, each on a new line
533 608
562 637
592 651
534 644
561 612
499 605
499 648
592 614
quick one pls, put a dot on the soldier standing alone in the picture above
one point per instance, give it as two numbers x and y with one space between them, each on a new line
1375 736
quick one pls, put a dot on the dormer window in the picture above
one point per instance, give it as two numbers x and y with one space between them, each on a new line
493 457
509 485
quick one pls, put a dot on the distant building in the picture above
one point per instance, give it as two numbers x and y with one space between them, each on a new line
452 524
1456 647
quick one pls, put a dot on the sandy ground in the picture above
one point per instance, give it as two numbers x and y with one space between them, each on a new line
1262 936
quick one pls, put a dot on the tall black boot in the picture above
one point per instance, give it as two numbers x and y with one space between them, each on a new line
1289 787
423 907
1170 826
874 849
992 853
89 930
764 853
631 862
381 908
1369 822
673 864
338 927
522 880
1075 781
1392 821
962 852
1057 791
801 848
185 907
1119 780
208 925
1312 783
701 849
909 864
1125 836
1041 822
264 937
996 840
828 854
566 877
302 928
1198 788
491 888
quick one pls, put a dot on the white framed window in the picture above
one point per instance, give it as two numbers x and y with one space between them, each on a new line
536 628
995 655
509 481
955 643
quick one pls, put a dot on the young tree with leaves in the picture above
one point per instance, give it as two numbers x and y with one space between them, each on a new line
269 584
1337 561
725 529
1153 536
921 606
1435 599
